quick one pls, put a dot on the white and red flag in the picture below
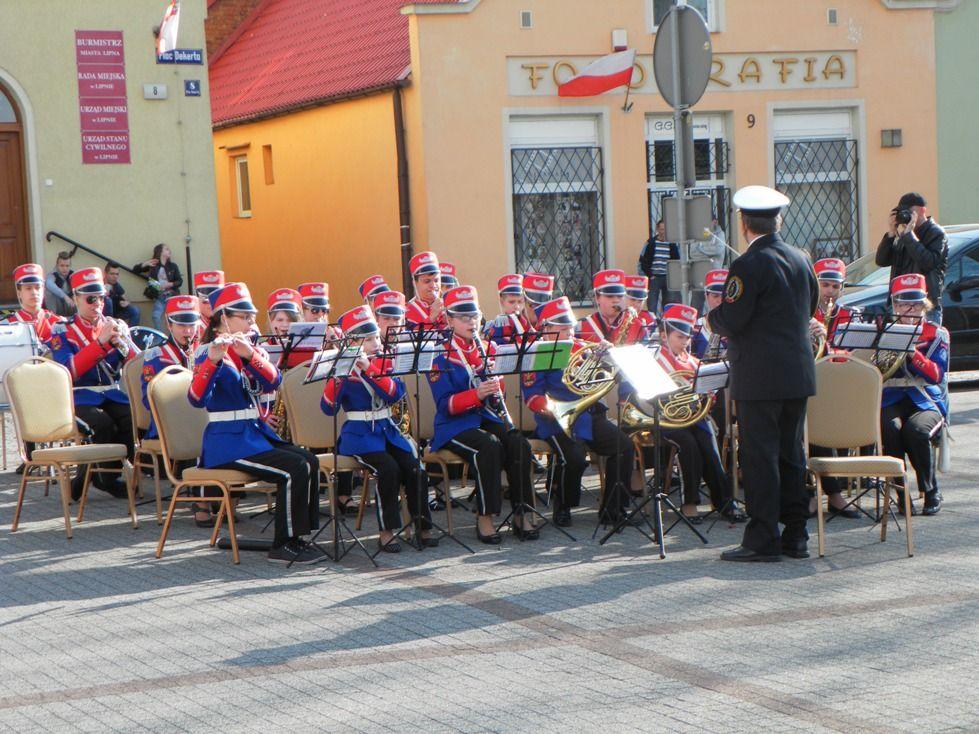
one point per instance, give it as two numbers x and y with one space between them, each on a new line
167 40
601 75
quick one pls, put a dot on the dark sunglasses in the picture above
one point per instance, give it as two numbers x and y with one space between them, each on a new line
91 300
317 309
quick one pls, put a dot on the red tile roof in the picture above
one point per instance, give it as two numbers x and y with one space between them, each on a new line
294 53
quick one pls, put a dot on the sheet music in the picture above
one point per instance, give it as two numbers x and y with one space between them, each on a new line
307 335
855 335
274 351
641 369
711 377
505 359
331 363
404 356
899 337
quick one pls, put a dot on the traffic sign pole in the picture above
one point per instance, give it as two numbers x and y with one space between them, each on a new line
679 161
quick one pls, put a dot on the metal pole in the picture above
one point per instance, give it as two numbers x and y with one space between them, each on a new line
680 163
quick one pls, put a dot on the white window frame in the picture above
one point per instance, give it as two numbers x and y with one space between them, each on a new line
715 13
238 161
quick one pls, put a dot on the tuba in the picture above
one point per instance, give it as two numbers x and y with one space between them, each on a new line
589 374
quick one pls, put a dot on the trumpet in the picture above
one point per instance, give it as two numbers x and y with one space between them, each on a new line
123 340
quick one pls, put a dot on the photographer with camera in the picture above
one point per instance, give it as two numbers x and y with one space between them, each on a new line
915 243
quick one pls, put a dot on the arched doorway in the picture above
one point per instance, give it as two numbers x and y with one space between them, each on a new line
14 246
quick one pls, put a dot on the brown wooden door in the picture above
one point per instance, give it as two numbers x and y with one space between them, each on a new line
13 230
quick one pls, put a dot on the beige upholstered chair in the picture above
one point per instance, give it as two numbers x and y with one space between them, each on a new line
40 394
181 428
843 415
423 426
312 428
147 451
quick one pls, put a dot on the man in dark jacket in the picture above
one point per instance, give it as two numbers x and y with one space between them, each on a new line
920 246
770 296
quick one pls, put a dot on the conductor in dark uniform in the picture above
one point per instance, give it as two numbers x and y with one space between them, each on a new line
770 295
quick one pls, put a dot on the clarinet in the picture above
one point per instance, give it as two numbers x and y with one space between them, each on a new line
494 402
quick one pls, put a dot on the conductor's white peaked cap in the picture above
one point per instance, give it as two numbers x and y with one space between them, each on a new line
759 199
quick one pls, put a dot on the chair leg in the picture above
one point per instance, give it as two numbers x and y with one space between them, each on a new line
20 499
223 510
167 520
64 486
886 510
84 497
232 533
448 498
364 482
131 496
156 487
820 516
907 517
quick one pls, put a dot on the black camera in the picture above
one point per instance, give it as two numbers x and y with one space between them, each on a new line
902 215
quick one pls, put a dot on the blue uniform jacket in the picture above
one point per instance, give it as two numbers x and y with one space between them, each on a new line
73 344
156 360
921 375
457 408
221 387
371 392
538 386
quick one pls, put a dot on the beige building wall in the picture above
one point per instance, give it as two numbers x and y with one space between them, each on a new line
166 194
462 101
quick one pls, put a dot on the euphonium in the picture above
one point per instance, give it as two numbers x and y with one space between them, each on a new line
589 374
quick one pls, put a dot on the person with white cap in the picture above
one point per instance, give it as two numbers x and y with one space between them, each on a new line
426 307
229 371
612 321
770 296
29 282
512 320
591 431
538 289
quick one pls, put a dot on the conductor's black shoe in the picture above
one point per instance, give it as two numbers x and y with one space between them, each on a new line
746 555
848 512
493 538
933 502
795 548
562 518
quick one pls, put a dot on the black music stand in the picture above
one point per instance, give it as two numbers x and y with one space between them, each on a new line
411 350
336 362
879 336
527 358
652 379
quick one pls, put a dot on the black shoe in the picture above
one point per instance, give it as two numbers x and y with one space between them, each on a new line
733 514
296 551
898 505
521 532
746 555
114 487
392 546
20 469
848 512
429 542
694 519
493 538
76 486
562 518
933 503
347 507
795 548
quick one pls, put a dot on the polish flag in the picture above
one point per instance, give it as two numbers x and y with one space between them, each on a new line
167 40
600 76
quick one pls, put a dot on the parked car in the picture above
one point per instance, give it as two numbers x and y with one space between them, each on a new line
960 298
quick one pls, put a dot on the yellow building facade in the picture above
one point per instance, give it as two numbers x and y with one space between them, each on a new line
54 172
504 175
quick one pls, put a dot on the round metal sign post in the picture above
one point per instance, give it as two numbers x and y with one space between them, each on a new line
682 57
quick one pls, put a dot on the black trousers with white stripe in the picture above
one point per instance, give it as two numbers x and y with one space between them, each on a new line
489 450
296 474
907 429
700 460
393 469
571 461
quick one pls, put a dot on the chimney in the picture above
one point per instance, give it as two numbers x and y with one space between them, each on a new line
223 19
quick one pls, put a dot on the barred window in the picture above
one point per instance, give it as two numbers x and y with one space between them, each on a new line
559 215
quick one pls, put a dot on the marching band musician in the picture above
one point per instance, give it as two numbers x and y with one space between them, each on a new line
538 289
607 322
372 286
224 374
592 430
29 282
371 436
913 406
713 295
448 276
426 307
389 311
284 309
512 319
830 274
205 283
468 419
94 348
636 295
697 444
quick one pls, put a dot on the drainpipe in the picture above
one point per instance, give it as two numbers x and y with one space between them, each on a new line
404 200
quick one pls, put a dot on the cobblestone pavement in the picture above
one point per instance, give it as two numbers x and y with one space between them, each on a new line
552 635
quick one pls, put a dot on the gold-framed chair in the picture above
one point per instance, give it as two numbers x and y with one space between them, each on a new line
147 452
181 429
423 418
311 428
845 415
43 409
